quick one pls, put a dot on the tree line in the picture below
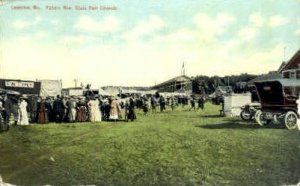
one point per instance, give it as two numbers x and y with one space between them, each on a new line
207 85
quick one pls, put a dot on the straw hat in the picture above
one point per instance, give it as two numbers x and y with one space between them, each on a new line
23 97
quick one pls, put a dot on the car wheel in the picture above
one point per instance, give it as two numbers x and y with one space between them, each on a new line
290 120
261 120
246 115
256 115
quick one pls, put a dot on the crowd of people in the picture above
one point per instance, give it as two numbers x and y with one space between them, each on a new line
23 110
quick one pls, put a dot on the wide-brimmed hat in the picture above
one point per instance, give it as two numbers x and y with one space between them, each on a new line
23 97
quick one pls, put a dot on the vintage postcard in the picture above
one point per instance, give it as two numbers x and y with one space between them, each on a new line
149 92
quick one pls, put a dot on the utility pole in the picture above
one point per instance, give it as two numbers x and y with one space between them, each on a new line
228 81
75 80
284 53
183 69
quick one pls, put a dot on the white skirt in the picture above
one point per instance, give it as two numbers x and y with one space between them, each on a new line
113 117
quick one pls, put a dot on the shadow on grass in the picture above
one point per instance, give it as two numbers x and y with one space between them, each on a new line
239 125
212 116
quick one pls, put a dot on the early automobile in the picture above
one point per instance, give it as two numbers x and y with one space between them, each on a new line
278 98
248 111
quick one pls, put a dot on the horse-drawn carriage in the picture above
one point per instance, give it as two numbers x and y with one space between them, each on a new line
278 100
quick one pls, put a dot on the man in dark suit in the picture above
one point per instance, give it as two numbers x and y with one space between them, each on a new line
192 101
32 108
200 103
8 107
58 109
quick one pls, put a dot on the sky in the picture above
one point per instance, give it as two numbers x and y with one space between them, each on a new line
144 42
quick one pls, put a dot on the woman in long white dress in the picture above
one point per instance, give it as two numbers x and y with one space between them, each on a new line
23 112
91 110
97 110
72 110
94 110
115 111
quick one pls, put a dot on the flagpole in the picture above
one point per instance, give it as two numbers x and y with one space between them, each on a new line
183 68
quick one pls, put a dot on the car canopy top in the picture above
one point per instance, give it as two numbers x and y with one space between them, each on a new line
278 91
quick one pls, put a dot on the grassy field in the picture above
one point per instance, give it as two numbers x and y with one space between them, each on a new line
171 148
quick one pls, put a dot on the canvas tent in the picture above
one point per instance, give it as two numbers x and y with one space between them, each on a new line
74 91
50 88
103 92
223 90
111 90
11 92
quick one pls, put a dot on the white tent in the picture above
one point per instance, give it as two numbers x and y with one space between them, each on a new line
103 92
50 88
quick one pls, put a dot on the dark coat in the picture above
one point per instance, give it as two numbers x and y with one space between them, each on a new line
8 105
131 112
58 106
32 105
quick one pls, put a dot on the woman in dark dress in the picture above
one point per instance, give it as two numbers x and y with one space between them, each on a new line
48 107
81 111
42 115
107 109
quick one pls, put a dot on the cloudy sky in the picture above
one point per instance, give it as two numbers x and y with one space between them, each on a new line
145 42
